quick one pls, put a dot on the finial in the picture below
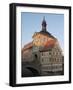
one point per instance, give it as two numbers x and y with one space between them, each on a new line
44 18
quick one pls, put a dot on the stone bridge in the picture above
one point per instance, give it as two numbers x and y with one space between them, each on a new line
30 69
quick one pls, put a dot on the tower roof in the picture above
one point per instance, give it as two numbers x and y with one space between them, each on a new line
44 25
44 22
44 30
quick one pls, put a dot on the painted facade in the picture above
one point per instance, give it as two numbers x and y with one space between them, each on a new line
45 51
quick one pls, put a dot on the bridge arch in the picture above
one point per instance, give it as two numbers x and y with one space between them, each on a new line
34 71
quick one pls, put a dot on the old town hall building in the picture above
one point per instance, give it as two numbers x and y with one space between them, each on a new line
44 53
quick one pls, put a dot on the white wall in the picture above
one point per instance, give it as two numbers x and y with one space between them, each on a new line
4 44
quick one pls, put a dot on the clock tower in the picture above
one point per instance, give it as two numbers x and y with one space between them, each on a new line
44 25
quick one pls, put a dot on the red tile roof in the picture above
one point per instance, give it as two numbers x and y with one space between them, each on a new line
48 45
27 46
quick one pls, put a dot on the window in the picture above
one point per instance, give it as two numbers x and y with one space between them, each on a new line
49 53
35 56
49 59
50 49
42 59
42 53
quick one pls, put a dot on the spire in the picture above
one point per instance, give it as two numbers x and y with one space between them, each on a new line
44 18
44 24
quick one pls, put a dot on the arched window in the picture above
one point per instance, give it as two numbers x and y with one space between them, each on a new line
35 56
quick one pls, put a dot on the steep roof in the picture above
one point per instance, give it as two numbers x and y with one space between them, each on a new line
50 44
47 34
27 46
44 30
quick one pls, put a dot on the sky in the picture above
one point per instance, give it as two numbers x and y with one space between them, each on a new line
31 23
